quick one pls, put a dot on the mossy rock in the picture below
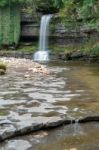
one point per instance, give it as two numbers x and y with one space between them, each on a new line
2 72
3 66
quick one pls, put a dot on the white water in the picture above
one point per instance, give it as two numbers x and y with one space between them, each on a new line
44 31
42 54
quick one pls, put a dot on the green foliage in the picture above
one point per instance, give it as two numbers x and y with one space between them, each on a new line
46 6
90 47
79 12
31 48
13 2
58 3
9 25
95 50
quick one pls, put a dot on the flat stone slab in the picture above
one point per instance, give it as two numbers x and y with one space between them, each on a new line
17 145
27 125
30 125
75 136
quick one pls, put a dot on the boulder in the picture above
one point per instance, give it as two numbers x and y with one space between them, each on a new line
76 54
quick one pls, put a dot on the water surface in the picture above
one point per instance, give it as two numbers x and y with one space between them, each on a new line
71 90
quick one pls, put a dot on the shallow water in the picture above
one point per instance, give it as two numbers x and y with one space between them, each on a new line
85 137
72 90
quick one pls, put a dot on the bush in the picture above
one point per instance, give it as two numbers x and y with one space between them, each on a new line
95 50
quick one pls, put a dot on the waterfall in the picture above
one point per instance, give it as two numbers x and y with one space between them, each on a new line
44 31
42 54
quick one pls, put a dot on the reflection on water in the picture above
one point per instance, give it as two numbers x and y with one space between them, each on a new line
72 90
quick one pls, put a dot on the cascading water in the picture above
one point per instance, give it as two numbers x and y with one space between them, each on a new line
43 54
44 30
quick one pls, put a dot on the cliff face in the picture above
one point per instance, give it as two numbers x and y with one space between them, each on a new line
58 33
29 25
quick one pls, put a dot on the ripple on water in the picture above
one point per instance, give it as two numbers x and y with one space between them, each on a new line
56 95
17 145
41 96
37 100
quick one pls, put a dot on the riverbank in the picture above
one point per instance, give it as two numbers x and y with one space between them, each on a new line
64 56
29 67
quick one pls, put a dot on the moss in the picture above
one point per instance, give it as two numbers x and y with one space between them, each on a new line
89 47
31 48
9 25
2 66
65 48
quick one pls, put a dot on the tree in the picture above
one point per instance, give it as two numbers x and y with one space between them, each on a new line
58 3
46 6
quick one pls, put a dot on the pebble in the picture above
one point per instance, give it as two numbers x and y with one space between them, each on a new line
29 65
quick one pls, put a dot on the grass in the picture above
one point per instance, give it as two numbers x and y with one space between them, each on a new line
31 48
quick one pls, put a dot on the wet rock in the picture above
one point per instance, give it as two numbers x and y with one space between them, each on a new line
62 56
33 103
2 72
26 64
54 122
68 56
65 56
76 54
6 131
5 121
2 66
25 126
89 119
92 58
27 76
28 125
17 145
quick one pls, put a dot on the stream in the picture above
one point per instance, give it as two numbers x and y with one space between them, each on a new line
71 91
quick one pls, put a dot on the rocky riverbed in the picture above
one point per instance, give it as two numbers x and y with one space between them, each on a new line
27 65
51 96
